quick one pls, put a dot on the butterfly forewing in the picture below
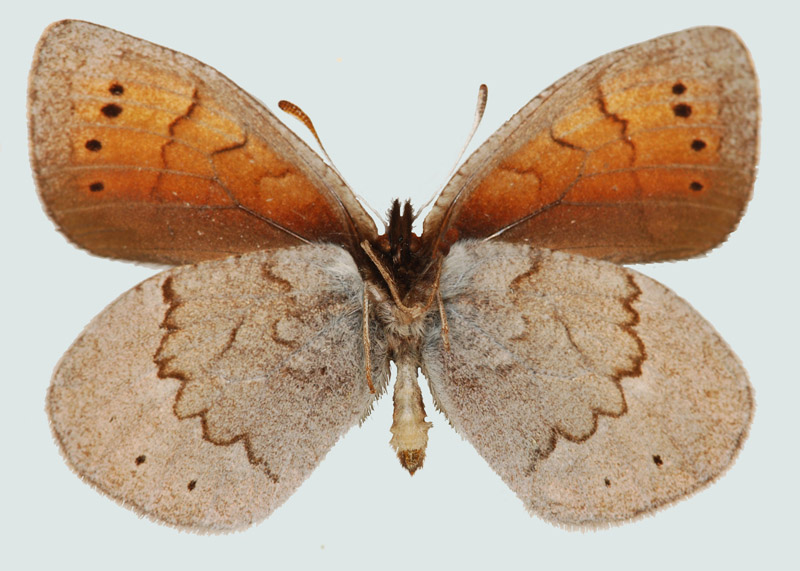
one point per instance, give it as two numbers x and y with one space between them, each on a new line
644 154
146 154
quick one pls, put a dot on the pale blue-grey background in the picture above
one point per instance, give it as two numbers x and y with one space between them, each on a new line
391 88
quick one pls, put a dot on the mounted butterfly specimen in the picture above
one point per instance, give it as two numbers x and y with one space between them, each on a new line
204 396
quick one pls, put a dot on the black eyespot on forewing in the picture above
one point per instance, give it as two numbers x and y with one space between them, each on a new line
682 110
111 110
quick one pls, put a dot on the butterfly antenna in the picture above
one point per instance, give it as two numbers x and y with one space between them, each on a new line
480 107
300 115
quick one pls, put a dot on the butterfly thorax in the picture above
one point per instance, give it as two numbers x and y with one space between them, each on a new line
398 252
402 281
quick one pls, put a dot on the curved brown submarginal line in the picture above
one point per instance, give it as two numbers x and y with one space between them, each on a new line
251 457
637 203
171 140
541 452
634 370
169 297
630 328
601 101
164 372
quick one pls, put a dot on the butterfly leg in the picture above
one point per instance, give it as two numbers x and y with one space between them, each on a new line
443 317
365 332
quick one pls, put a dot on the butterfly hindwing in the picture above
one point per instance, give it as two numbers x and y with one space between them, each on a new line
595 393
205 395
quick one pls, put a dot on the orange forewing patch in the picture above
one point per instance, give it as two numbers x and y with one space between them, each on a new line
146 154
645 154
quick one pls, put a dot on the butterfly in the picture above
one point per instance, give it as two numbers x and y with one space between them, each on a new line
204 396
